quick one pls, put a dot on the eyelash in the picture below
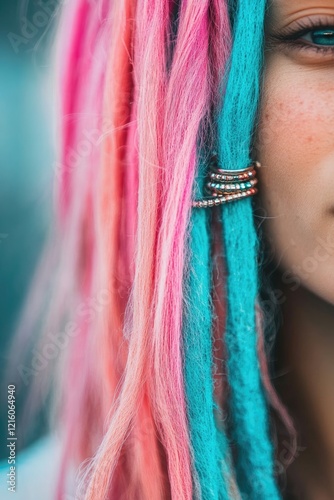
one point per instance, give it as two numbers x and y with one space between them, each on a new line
291 37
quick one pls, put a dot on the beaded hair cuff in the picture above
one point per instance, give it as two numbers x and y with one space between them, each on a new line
228 185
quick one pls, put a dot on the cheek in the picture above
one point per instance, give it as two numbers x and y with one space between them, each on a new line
295 145
289 149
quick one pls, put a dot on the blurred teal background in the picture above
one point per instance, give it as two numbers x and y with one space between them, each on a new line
27 156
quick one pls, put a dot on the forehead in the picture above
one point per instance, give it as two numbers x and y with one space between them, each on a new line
290 9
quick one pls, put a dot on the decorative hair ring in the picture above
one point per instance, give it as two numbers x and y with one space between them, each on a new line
228 185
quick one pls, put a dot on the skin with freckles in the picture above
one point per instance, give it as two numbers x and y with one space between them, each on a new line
295 144
296 147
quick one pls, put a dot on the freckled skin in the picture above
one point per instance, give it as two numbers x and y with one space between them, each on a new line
295 144
294 141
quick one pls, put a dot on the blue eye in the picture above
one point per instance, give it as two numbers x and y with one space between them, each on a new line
311 36
324 37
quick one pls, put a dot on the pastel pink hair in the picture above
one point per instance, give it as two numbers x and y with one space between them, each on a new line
132 104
